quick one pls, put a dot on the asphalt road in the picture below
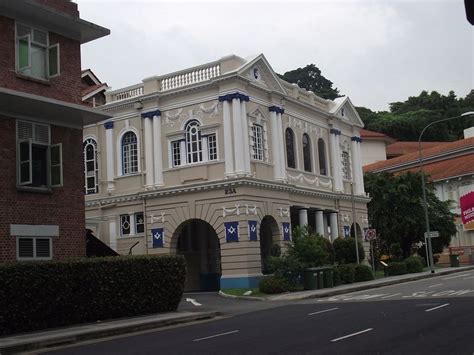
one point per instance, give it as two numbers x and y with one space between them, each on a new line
351 324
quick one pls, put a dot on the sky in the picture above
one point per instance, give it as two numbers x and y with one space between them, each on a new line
375 52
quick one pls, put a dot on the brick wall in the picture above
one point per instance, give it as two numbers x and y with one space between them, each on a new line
65 87
63 207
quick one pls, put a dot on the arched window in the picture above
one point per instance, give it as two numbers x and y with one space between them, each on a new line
290 148
91 167
129 153
322 157
307 153
193 142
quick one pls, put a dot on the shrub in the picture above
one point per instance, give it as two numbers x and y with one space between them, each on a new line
414 264
287 268
49 294
396 268
273 284
336 277
346 273
363 273
310 249
345 251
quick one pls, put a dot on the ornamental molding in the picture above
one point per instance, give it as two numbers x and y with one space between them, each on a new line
157 218
230 211
284 212
364 219
316 181
345 218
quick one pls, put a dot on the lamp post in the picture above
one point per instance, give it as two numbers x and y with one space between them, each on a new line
429 249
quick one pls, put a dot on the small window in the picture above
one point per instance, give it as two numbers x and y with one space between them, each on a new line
139 223
193 142
346 166
34 248
290 148
91 171
212 146
257 142
129 153
125 224
307 153
176 151
322 157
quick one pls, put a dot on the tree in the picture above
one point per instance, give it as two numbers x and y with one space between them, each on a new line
396 211
311 79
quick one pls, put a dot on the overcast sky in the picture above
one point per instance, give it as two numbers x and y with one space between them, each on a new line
375 52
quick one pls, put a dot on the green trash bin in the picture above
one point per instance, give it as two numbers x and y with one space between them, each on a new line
454 260
328 277
310 279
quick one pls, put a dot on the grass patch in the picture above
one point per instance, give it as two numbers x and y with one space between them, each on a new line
240 292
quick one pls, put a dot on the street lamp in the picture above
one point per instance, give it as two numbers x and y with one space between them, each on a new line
429 250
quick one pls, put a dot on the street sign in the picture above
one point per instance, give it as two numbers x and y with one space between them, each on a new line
433 234
371 234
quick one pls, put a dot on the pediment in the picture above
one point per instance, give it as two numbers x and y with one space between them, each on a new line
345 111
259 72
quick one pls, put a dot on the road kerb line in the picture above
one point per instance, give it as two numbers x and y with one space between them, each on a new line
323 311
455 277
389 296
469 277
438 307
352 335
435 285
217 335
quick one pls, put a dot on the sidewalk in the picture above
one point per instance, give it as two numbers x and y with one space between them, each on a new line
359 286
70 335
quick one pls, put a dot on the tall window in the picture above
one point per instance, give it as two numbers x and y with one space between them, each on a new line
91 168
257 142
129 153
176 151
212 146
34 56
193 142
290 148
307 153
322 157
346 166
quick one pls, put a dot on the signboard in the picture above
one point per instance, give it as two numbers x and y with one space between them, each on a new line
370 234
231 231
158 237
466 202
433 234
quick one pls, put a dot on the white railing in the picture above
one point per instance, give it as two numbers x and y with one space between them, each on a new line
125 93
190 77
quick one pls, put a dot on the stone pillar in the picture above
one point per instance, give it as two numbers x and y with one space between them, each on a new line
205 149
113 233
303 217
149 178
320 223
109 142
333 225
281 143
157 149
228 151
358 168
133 227
335 154
238 137
245 132
275 146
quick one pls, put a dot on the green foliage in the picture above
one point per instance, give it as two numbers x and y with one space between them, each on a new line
397 268
336 276
42 295
396 211
414 264
310 249
286 267
345 250
362 273
275 250
311 79
273 284
346 273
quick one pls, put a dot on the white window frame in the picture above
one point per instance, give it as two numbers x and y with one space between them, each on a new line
257 142
130 232
34 257
135 215
119 151
176 156
188 136
93 142
213 154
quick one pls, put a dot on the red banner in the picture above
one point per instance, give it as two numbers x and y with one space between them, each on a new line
467 207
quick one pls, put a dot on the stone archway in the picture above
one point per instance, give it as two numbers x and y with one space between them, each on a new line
198 242
357 230
268 236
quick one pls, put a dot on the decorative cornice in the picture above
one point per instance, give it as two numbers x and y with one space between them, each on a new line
335 131
151 114
236 95
276 109
356 139
109 125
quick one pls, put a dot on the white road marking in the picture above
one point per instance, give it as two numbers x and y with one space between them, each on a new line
217 335
455 277
435 285
467 278
432 309
390 296
323 311
452 293
193 301
419 294
353 334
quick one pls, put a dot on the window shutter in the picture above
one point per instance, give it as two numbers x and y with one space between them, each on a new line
25 248
25 166
56 160
43 247
53 61
24 130
24 52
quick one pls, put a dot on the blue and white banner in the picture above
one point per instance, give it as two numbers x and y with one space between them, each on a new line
286 231
158 237
347 231
253 231
231 231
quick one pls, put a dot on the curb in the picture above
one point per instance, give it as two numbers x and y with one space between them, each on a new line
248 298
83 334
356 288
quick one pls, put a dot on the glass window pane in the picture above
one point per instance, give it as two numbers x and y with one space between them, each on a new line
38 62
53 53
23 53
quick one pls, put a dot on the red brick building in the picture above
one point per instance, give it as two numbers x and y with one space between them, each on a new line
41 120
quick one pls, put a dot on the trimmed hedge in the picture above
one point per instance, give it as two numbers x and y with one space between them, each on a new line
274 284
42 295
346 273
363 273
414 264
396 268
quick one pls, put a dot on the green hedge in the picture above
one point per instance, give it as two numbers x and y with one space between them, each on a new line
396 268
363 273
346 273
49 294
274 284
414 264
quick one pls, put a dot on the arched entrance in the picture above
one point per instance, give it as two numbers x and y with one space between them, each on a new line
357 230
268 235
198 242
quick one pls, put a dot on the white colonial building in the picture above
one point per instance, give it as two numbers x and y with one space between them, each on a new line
217 162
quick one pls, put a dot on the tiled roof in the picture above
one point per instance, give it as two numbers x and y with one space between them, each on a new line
92 88
400 148
366 134
439 169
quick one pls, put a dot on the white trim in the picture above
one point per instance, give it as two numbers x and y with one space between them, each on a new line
34 257
89 73
96 91
118 154
34 230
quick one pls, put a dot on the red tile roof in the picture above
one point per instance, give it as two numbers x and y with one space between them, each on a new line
92 88
449 168
399 148
369 135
